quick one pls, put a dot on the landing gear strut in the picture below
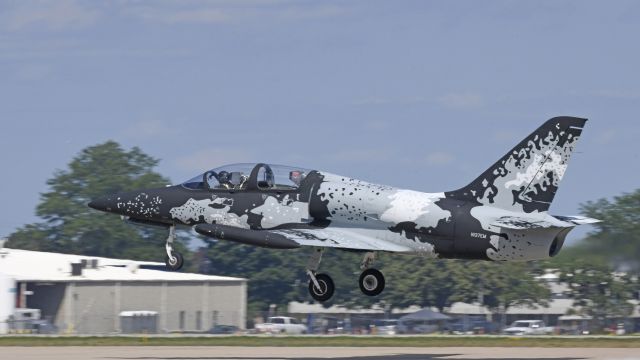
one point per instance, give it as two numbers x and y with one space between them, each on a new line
174 259
371 280
321 287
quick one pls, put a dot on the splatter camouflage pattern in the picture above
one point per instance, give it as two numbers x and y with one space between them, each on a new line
501 215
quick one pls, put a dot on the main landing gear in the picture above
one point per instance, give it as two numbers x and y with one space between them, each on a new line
321 287
174 259
371 280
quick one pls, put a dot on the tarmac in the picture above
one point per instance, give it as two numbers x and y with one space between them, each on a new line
308 353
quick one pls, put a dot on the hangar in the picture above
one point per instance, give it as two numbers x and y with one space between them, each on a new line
89 295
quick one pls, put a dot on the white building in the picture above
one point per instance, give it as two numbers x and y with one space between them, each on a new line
90 298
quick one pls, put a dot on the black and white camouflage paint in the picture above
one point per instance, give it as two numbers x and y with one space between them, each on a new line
502 215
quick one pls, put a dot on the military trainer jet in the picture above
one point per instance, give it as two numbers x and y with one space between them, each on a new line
502 215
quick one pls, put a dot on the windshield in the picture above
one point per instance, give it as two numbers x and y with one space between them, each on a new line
236 176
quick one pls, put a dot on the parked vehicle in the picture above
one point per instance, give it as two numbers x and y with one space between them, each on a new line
44 327
574 325
386 327
528 327
281 325
339 327
470 326
24 320
224 329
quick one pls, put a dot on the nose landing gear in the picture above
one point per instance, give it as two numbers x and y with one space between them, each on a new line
174 259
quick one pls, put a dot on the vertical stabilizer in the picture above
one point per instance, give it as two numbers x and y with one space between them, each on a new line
526 178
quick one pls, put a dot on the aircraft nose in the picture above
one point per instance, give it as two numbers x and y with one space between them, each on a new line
105 203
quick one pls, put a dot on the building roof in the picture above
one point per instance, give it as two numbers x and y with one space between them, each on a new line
26 265
316 308
556 307
461 308
425 315
574 318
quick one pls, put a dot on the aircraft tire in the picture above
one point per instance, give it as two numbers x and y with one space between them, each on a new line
371 282
326 290
174 265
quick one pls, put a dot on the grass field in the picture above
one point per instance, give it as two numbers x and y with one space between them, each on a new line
308 341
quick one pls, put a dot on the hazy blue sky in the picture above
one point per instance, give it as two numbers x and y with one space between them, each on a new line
416 94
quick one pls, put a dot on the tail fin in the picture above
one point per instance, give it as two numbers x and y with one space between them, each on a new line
526 178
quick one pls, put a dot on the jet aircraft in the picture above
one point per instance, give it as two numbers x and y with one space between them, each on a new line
502 215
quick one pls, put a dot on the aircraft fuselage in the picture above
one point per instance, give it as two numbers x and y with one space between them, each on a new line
430 224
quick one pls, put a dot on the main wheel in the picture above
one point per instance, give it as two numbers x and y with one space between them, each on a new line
326 288
371 282
174 263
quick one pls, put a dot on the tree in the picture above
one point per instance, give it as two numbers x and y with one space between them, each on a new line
440 283
617 238
70 226
598 290
425 282
508 284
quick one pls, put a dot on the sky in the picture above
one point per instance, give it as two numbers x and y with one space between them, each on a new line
415 94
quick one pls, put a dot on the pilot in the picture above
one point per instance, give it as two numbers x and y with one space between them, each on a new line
211 178
224 180
296 176
243 181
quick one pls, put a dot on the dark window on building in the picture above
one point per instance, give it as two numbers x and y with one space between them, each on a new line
182 320
214 318
198 320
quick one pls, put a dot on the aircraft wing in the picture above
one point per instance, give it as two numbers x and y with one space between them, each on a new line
342 238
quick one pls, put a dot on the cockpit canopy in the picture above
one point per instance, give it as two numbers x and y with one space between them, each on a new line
249 176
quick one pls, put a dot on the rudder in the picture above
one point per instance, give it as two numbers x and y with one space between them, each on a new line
526 178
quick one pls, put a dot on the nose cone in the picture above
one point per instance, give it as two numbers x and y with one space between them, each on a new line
105 203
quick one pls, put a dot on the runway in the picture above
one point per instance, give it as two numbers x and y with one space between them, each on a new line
308 353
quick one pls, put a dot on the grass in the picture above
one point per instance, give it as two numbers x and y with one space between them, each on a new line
328 341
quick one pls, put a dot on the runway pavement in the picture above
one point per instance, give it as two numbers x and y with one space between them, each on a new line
307 353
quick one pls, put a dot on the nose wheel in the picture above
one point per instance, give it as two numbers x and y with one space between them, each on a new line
174 259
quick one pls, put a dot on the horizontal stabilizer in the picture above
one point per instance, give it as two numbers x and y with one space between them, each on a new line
528 223
521 223
577 220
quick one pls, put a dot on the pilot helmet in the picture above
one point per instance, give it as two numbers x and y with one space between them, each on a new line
223 177
296 176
